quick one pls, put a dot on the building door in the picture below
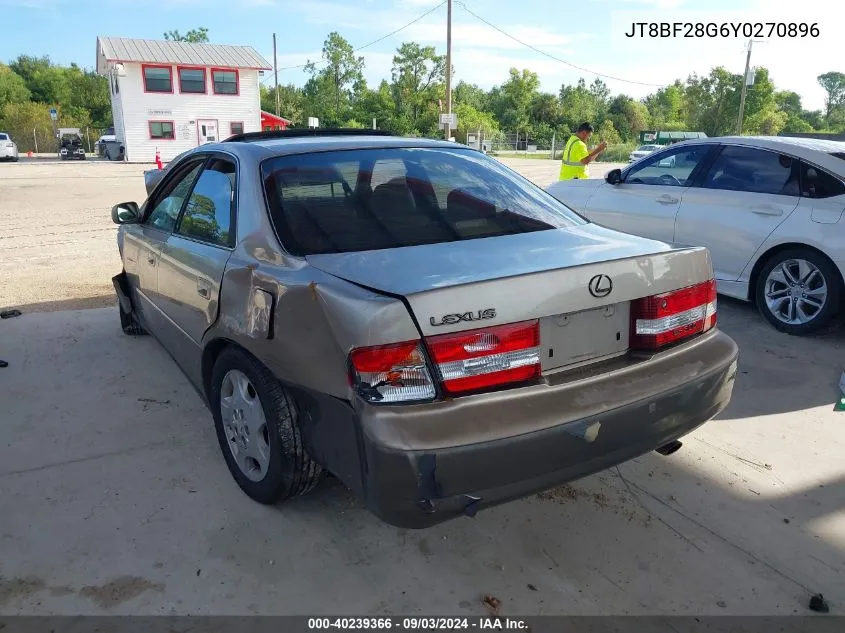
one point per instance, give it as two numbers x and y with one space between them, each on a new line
207 131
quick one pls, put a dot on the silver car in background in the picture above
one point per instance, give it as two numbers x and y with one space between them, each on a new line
415 318
642 151
8 148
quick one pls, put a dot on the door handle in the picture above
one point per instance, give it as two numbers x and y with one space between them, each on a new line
766 209
203 290
667 199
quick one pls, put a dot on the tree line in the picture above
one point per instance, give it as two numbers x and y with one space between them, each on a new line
410 101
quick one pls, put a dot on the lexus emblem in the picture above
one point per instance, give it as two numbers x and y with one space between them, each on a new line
600 286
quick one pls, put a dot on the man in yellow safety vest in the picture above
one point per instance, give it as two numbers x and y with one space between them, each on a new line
576 156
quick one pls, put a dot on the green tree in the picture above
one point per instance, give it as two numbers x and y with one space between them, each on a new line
607 133
471 95
291 102
514 99
578 105
194 36
418 75
629 117
667 108
47 83
834 85
12 87
472 120
329 90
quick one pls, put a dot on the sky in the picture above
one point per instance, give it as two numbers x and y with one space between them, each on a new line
589 34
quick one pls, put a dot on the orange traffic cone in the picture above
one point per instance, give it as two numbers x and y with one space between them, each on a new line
158 160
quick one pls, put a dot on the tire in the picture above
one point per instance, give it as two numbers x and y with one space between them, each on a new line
288 471
817 270
129 324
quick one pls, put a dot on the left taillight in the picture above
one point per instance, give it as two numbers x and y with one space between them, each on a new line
463 362
671 317
392 373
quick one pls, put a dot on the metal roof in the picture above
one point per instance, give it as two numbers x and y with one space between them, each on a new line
121 49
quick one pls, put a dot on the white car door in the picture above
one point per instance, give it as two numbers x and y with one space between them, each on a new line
647 199
745 195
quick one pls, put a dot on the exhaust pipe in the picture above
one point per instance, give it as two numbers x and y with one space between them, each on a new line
668 449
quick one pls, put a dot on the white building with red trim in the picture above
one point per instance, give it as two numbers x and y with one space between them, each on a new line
173 96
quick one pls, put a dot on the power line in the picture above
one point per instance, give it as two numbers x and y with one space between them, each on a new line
376 41
549 55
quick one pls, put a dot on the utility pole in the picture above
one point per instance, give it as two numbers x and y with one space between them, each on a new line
448 126
744 89
276 73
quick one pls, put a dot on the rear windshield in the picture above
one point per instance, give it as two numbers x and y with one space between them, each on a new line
346 201
4 137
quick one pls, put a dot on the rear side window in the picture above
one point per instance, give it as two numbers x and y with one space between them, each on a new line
754 170
816 183
346 201
208 214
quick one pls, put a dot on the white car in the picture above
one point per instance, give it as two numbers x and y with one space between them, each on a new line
769 209
642 151
8 148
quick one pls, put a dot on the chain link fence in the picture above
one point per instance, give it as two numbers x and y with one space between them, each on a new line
42 139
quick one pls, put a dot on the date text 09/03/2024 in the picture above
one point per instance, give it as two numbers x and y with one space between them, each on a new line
495 623
724 29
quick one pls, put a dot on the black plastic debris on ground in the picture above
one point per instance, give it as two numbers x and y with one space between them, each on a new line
819 604
8 314
3 363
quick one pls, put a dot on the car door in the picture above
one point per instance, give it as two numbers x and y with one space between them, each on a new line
647 199
142 243
194 256
744 195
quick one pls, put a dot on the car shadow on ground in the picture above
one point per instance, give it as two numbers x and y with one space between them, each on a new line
83 303
119 452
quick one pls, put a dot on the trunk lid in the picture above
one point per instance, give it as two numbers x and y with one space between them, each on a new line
545 275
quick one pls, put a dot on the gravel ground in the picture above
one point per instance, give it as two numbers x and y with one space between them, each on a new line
57 241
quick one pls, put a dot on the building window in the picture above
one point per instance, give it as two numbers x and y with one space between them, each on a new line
192 80
157 78
162 130
225 81
236 127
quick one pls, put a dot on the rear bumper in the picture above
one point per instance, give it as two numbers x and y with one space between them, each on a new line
8 152
411 480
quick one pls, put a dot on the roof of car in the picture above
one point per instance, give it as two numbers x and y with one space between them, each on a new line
822 152
262 148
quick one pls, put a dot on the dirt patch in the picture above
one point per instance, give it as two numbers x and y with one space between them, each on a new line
17 587
565 493
119 590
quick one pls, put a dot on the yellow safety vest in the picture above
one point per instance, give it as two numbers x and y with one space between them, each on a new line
569 167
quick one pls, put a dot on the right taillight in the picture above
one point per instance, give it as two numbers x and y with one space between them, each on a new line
670 317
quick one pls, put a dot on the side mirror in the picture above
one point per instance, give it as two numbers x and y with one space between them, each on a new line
126 213
613 177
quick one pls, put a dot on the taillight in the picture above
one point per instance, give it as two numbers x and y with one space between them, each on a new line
485 358
673 316
392 373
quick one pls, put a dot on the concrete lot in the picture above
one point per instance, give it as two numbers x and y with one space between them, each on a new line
114 497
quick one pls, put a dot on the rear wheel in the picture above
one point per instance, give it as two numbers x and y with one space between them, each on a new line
799 291
257 427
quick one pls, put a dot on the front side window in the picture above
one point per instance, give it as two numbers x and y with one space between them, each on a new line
358 200
672 168
225 81
167 206
192 80
162 130
208 214
158 78
753 170
817 183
